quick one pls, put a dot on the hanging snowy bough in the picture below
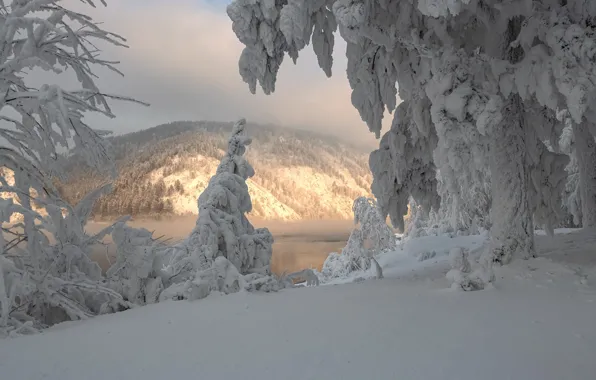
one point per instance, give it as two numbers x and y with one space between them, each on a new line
403 167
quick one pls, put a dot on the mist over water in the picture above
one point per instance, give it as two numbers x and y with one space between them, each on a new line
298 245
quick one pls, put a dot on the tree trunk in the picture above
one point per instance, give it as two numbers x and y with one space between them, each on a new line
586 157
512 232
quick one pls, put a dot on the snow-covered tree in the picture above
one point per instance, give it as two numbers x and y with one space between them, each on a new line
224 252
555 44
483 77
222 227
585 154
578 143
46 275
571 194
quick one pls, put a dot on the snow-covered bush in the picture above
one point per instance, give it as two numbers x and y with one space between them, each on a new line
356 257
353 258
61 282
461 274
373 227
135 274
222 276
306 276
426 255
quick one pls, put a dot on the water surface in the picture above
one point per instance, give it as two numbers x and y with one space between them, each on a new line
298 245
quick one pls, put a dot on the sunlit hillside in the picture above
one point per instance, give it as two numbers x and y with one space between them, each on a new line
299 175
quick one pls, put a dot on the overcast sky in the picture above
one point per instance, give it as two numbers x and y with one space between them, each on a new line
183 60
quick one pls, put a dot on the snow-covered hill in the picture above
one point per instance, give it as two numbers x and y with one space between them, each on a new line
299 175
537 323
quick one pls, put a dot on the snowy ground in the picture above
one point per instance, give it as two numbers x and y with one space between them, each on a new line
539 322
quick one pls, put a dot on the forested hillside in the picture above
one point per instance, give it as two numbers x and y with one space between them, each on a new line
162 170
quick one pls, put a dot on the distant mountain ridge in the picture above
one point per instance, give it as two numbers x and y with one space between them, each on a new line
300 175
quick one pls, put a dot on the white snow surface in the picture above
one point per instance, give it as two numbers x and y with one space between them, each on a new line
537 322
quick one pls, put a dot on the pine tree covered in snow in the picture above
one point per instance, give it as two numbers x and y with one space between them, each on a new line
481 84
224 252
222 227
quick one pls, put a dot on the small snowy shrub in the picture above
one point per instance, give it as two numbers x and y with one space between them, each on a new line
222 277
461 275
59 282
427 255
373 227
307 276
133 274
355 257
255 282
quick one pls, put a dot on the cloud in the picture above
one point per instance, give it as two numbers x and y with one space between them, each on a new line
183 60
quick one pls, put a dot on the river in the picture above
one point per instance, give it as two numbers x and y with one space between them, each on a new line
298 245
